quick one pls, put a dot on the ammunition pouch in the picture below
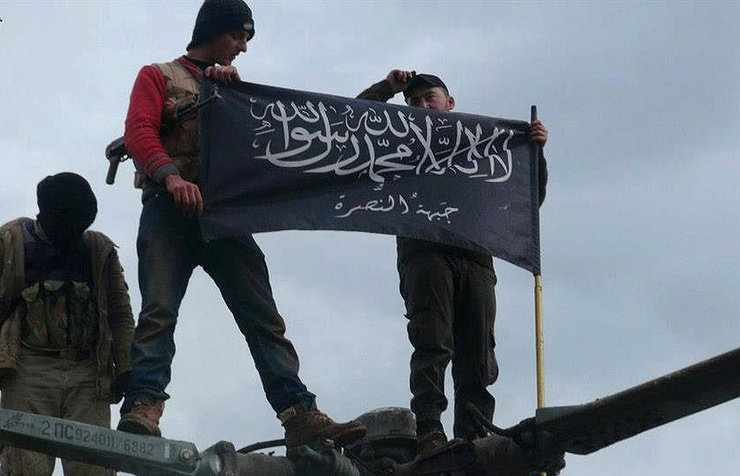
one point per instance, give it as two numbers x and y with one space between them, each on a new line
60 316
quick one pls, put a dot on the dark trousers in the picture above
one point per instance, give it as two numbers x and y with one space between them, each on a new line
451 308
170 247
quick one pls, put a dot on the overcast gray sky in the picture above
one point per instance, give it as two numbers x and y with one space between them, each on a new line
639 229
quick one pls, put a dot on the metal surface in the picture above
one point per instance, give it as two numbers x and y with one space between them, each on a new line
389 423
535 444
150 456
114 449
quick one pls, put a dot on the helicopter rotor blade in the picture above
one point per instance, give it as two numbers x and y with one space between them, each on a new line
583 429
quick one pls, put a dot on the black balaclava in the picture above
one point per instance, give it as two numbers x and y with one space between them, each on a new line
67 207
221 16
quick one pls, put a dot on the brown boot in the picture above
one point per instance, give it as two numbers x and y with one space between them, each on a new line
306 426
430 443
143 419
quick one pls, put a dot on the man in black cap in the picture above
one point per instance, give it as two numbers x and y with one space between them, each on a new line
66 319
170 245
449 297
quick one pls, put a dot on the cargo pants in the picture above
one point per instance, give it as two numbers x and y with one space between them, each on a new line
451 308
58 387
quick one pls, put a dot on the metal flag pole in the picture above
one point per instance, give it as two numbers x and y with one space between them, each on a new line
539 334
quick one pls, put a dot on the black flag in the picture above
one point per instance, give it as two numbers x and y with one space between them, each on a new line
279 159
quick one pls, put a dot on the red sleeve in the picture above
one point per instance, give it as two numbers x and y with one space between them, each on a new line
144 120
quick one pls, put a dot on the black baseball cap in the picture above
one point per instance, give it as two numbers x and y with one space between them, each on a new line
423 80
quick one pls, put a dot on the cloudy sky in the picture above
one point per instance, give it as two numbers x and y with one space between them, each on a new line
639 230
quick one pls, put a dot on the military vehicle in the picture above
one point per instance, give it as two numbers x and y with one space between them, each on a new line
537 444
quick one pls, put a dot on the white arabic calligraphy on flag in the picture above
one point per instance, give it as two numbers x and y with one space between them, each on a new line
277 159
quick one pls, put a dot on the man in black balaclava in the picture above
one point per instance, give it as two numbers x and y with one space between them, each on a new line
66 319
67 207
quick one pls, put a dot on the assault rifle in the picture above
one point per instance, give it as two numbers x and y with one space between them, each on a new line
116 151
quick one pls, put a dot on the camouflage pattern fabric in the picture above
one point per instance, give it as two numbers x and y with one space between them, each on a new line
59 316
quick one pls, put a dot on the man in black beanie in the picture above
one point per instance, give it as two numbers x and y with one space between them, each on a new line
66 319
170 245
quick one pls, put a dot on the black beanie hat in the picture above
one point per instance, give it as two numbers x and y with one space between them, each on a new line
67 206
220 16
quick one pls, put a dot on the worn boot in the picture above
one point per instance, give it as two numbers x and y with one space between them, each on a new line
430 443
304 426
143 419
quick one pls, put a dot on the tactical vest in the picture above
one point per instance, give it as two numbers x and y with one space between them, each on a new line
59 311
180 140
59 315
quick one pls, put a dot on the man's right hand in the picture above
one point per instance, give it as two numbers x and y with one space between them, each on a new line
186 194
398 79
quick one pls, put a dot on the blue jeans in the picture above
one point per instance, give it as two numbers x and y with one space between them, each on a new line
170 247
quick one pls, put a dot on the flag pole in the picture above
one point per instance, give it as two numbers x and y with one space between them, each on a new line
540 341
539 335
538 330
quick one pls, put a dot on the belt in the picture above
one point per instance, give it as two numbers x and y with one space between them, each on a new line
69 354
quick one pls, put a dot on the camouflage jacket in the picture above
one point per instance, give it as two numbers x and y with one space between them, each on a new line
115 320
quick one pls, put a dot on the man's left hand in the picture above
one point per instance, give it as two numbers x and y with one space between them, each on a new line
222 74
537 133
